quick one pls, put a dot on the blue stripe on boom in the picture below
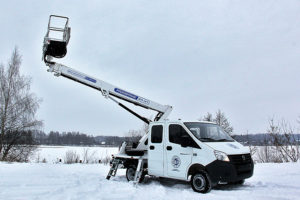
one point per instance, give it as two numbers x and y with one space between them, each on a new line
90 79
127 94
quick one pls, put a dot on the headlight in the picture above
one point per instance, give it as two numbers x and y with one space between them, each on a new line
221 156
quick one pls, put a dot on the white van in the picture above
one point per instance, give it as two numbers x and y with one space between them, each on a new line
199 152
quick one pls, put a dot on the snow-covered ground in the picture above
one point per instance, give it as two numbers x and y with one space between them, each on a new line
27 181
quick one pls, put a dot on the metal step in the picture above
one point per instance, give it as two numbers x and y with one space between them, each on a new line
114 167
139 171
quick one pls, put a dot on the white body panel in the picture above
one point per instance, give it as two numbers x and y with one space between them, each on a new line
176 162
230 148
156 157
177 158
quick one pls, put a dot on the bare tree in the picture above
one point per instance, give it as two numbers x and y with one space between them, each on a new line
253 149
133 136
219 119
222 121
106 160
266 153
208 117
87 156
18 106
71 157
284 140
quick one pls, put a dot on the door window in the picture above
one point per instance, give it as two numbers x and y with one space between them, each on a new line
178 135
156 134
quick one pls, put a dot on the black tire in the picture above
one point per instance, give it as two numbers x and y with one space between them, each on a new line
201 182
130 173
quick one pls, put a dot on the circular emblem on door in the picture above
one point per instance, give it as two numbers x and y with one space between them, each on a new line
176 161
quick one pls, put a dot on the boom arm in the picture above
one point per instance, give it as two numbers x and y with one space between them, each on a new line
110 91
54 47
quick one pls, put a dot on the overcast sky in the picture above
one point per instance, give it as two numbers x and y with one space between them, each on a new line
242 57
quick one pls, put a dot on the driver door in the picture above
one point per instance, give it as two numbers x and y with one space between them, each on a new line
178 157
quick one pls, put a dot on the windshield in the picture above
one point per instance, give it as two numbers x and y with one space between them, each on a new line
206 132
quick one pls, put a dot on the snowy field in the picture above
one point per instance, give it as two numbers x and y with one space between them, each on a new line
34 181
52 154
54 180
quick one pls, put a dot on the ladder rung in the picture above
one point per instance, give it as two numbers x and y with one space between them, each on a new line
56 29
114 168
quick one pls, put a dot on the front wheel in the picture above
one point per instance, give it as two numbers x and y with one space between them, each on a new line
201 182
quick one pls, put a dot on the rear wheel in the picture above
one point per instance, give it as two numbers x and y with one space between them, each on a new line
130 174
201 182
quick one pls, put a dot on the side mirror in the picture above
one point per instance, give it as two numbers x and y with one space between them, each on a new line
185 141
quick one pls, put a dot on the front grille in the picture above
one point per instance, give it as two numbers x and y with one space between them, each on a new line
240 159
242 163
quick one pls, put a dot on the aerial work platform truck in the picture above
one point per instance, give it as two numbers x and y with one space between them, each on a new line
199 152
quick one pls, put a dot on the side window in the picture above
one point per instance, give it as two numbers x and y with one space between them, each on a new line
156 134
178 135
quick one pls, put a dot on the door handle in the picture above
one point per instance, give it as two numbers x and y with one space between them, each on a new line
185 154
169 148
152 147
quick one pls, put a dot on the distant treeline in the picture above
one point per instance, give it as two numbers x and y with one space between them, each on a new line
76 138
262 139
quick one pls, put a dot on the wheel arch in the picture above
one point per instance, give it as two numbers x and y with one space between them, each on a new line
130 162
133 162
194 168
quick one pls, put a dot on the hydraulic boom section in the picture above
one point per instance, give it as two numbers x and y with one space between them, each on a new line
55 46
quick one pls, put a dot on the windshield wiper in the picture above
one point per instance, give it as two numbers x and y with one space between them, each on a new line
215 140
224 140
208 139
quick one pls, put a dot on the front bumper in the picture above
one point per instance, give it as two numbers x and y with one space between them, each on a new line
240 167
